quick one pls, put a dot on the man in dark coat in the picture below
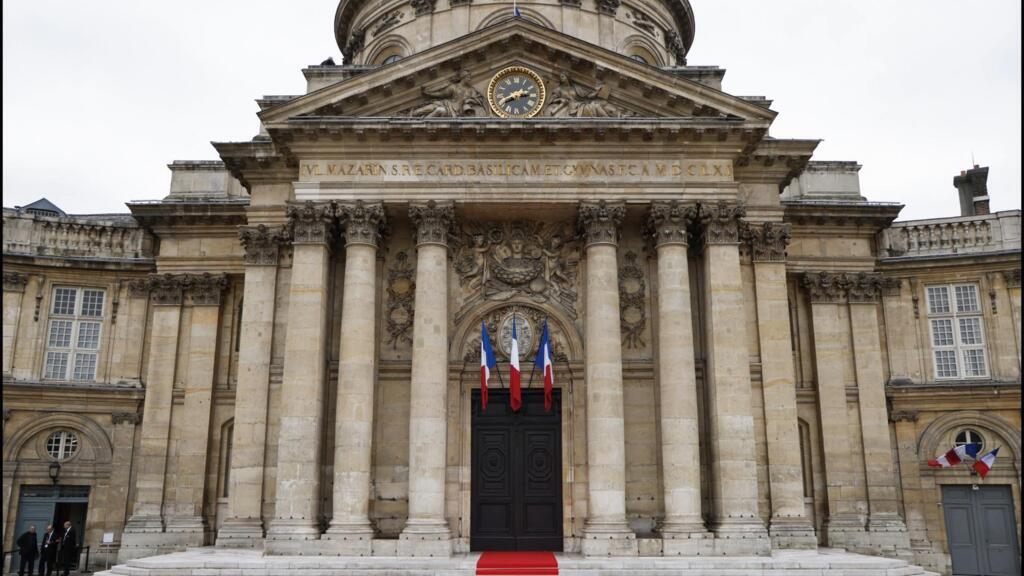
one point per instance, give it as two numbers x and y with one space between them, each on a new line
48 551
68 553
28 549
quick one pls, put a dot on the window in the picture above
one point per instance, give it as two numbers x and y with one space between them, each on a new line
392 59
957 331
969 436
638 58
73 336
62 445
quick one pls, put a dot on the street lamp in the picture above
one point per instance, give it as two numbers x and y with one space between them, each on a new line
54 472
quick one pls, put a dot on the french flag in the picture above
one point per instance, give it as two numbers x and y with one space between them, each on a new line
543 361
513 372
985 463
955 456
487 362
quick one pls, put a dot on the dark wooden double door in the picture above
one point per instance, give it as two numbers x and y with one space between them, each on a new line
516 492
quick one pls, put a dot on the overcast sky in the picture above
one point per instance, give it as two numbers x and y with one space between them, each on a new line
99 96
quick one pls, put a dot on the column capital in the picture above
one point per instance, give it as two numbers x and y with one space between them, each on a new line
163 289
667 223
132 418
433 221
16 281
824 287
262 244
891 286
206 289
363 222
720 222
863 288
903 416
599 221
1012 278
311 222
767 242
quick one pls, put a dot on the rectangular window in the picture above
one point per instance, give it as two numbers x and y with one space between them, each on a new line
957 329
73 340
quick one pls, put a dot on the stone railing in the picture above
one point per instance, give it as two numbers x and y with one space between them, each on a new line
945 236
99 236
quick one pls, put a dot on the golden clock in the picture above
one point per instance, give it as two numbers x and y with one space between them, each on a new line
516 92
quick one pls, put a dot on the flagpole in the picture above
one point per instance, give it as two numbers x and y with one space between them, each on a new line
500 380
532 370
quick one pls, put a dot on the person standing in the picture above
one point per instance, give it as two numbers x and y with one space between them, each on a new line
48 551
68 552
28 549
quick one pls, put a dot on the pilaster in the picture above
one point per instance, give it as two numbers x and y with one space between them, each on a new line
14 292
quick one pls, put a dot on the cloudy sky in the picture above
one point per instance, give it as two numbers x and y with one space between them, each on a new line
99 96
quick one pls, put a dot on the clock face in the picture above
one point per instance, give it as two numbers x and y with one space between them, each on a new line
516 92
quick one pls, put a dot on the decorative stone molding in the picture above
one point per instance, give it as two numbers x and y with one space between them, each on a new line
632 303
863 288
721 222
674 44
903 416
311 222
363 223
206 289
262 244
530 323
1012 278
15 281
599 221
401 289
126 418
459 98
572 3
570 100
354 46
644 22
891 286
40 282
501 260
824 287
433 221
667 223
164 289
609 7
387 22
423 7
767 242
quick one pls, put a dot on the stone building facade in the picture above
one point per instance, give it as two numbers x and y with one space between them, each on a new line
282 353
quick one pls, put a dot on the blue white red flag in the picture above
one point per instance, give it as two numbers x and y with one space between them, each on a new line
487 362
985 463
543 361
516 399
955 456
515 9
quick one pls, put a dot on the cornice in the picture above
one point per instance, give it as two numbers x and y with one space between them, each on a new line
227 212
875 216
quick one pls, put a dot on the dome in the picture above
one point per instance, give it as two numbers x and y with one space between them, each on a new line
376 32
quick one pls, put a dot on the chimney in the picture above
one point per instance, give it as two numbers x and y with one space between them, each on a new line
973 189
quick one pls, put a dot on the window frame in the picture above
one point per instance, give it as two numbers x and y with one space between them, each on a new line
68 350
950 299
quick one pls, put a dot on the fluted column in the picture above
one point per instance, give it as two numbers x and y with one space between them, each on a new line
244 526
350 530
683 531
789 526
142 533
426 531
302 389
1012 280
885 526
606 531
738 528
188 490
843 527
14 291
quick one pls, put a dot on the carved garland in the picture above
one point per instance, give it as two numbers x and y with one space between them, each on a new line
401 300
632 303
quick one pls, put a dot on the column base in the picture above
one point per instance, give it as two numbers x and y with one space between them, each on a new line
240 533
608 539
888 536
793 533
430 538
686 539
146 536
846 531
741 537
290 536
348 539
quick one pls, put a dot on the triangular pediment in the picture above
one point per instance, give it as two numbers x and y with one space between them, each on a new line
582 81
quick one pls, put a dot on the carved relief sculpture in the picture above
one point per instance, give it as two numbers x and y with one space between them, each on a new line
354 45
721 222
458 99
262 244
667 223
311 222
767 242
15 281
387 22
824 287
632 302
401 290
674 44
569 100
644 22
863 287
206 289
423 7
433 221
529 321
362 222
599 221
500 260
609 7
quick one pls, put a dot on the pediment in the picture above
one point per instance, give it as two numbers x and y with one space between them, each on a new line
450 81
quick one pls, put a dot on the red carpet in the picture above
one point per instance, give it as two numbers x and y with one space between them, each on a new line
517 564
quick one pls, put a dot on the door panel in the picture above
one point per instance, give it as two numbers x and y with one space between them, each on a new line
981 530
516 492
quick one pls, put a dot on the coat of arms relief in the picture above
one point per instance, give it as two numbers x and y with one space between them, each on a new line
497 261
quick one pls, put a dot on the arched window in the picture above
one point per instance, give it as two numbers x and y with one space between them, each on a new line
391 59
968 436
639 58
62 445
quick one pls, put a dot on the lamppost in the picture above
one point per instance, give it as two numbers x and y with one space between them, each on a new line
55 472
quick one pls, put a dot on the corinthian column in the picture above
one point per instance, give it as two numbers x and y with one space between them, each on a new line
683 530
189 487
606 532
789 527
302 389
350 528
737 526
426 532
244 526
886 528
